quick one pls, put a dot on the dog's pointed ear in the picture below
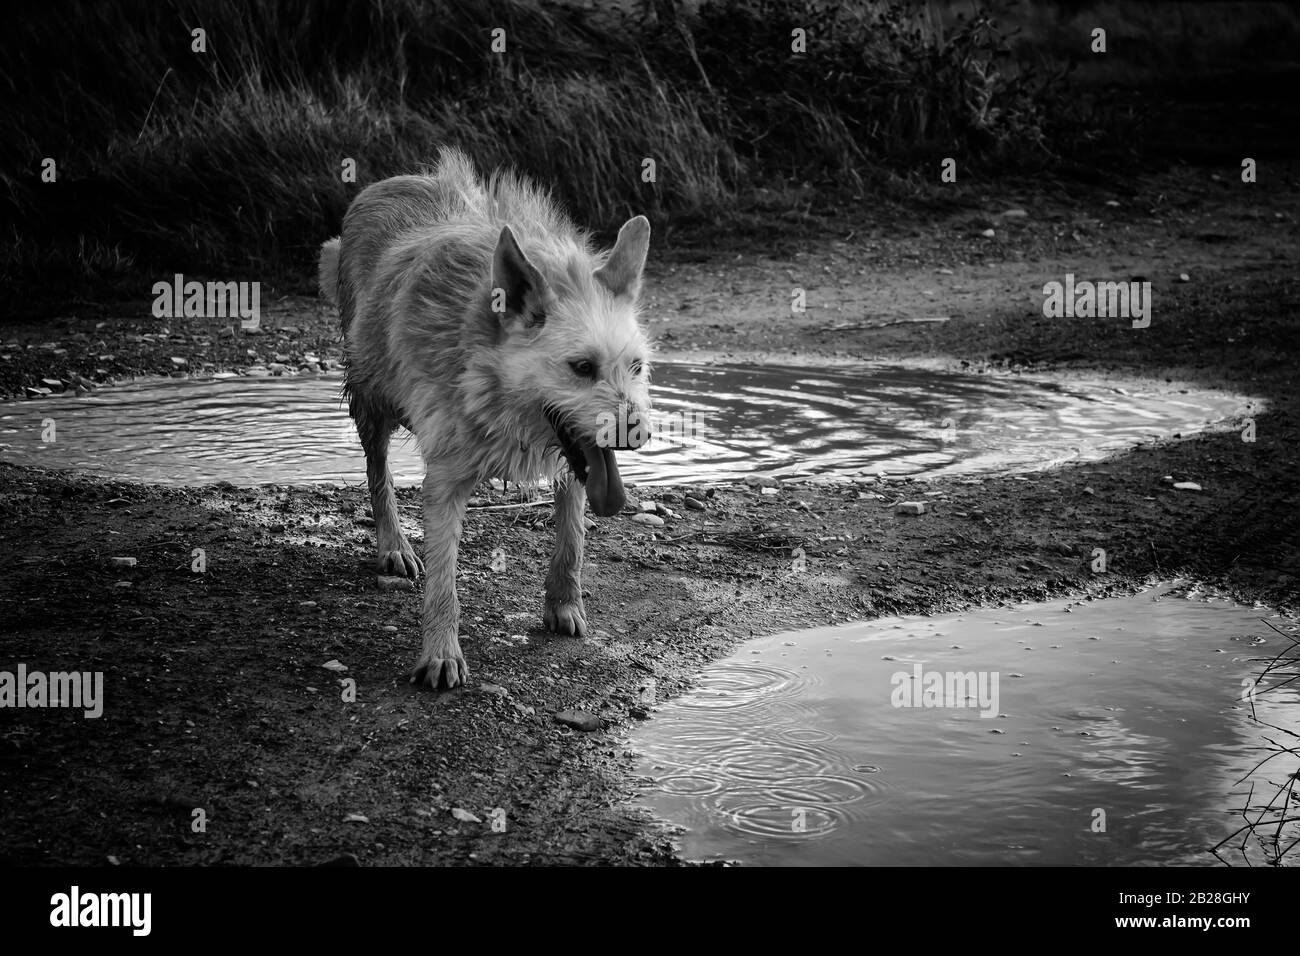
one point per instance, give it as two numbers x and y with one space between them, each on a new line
517 287
621 273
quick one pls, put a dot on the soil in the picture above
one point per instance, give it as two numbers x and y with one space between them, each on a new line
216 697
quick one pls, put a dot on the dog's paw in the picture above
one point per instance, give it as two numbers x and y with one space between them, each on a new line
442 672
566 617
401 563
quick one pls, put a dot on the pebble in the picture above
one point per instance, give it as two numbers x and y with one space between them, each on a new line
694 504
579 720
334 665
988 233
653 521
392 582
910 508
179 362
464 816
647 507
1187 486
494 689
122 562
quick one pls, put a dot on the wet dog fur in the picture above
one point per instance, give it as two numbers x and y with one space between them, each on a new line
478 317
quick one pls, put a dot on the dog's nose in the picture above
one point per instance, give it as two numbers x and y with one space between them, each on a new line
637 428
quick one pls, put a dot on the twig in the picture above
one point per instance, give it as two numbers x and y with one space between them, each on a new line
521 504
857 326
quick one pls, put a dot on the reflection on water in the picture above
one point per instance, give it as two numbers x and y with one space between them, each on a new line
771 420
1124 711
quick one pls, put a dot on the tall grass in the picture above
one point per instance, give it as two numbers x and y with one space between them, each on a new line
231 158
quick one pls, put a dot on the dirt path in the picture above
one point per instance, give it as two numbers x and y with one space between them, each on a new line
216 694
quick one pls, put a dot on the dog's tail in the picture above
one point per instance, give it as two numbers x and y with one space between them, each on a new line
328 270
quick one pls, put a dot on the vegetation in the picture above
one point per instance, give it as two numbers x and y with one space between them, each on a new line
231 158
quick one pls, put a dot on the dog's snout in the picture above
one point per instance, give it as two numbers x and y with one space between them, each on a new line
634 427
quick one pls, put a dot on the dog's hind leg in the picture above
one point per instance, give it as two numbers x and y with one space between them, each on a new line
374 428
565 613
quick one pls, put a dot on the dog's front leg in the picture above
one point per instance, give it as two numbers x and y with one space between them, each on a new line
565 613
441 662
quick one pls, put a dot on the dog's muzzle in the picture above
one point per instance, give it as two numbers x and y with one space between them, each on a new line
594 464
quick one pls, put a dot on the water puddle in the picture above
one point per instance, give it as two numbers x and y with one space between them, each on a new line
769 420
824 747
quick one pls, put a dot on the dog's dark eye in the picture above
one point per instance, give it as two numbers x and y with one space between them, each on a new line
584 367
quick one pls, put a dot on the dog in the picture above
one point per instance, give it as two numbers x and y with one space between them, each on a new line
477 316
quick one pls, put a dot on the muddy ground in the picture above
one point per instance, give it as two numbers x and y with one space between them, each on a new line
216 697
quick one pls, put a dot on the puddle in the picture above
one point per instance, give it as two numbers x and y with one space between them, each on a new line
1129 707
771 420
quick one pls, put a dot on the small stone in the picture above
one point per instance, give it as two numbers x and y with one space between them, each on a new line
122 562
54 384
36 391
765 490
391 582
495 689
464 816
653 521
1187 486
694 504
1184 277
1014 214
910 508
988 233
334 665
356 818
179 362
579 720
647 507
